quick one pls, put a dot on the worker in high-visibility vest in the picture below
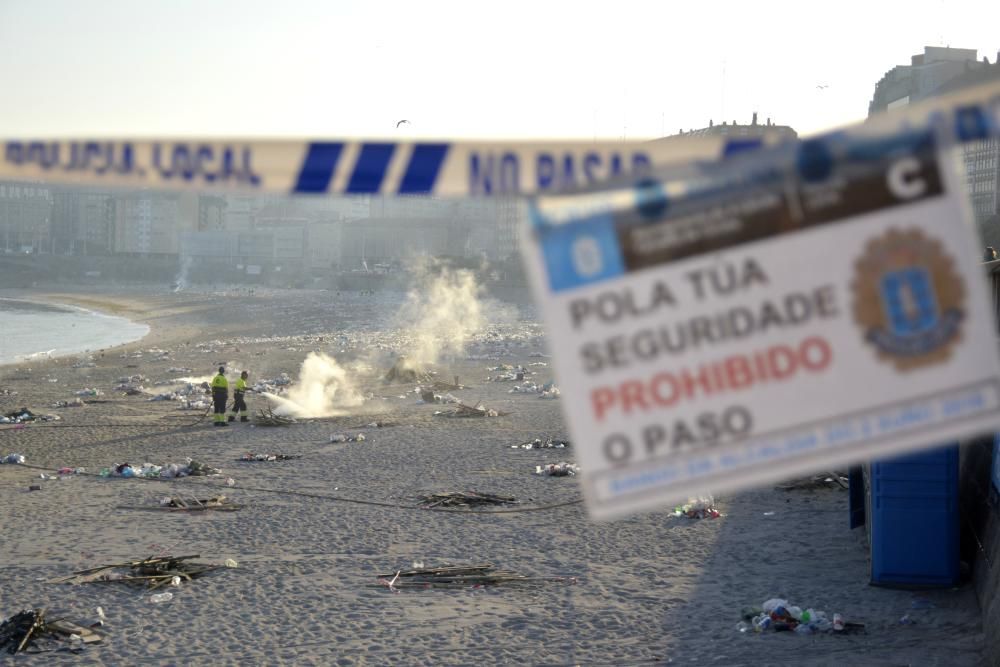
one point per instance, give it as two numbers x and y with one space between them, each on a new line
220 396
240 405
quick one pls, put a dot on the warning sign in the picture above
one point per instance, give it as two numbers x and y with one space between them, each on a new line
775 318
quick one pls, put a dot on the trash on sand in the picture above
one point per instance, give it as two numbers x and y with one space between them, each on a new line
150 572
404 371
452 576
431 397
477 410
538 443
75 403
701 507
86 391
178 504
24 416
267 417
507 373
829 480
464 499
560 469
250 456
13 459
191 468
778 616
343 437
29 628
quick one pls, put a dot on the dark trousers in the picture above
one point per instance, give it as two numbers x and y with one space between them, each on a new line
239 405
219 399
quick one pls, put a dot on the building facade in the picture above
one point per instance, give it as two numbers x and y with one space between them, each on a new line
148 224
938 71
25 216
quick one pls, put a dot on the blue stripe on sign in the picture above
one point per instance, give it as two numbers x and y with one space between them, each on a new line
317 168
422 171
370 168
734 146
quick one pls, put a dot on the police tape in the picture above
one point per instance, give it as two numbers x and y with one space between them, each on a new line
437 168
445 169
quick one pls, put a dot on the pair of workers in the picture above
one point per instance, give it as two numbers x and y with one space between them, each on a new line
220 396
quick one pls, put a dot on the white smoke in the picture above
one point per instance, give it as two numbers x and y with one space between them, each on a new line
324 389
181 281
441 314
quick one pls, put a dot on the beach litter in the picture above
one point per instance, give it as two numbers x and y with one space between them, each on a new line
477 410
30 628
404 371
87 391
344 437
75 403
267 417
507 373
561 469
26 416
829 480
179 504
777 615
191 468
464 499
151 572
459 576
538 443
258 457
431 397
13 459
701 507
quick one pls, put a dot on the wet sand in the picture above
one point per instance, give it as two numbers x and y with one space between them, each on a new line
649 589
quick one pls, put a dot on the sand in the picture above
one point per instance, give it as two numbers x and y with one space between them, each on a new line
649 589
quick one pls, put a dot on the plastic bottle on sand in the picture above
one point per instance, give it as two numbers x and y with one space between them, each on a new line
161 597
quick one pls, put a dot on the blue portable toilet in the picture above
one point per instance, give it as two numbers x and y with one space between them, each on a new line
913 519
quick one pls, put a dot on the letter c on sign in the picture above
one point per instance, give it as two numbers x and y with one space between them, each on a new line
903 180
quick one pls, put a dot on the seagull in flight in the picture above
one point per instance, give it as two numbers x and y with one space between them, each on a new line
401 122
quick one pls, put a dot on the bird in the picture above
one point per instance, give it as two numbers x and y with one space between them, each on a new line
823 86
401 122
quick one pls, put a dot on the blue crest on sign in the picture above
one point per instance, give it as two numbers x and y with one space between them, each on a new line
909 302
582 253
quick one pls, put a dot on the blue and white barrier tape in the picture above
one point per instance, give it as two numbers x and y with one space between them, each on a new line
446 169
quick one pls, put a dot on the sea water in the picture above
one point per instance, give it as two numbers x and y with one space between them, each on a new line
31 330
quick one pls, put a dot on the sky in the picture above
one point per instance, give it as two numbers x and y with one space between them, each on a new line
456 69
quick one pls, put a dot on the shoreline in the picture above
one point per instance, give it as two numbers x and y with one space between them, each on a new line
113 332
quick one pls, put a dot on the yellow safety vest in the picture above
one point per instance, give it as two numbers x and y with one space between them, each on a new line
220 382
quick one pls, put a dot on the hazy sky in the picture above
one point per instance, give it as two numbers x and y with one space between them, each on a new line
463 68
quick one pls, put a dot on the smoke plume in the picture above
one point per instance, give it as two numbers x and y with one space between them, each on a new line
181 281
323 389
440 314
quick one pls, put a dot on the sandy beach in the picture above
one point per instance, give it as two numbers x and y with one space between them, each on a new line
652 589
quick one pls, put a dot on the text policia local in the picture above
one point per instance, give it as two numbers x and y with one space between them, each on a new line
726 375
